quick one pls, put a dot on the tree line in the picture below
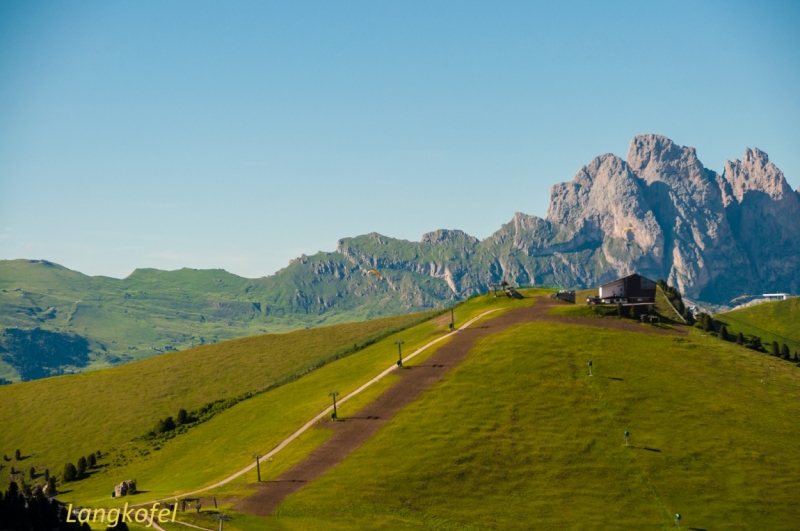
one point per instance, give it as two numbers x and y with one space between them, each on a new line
708 324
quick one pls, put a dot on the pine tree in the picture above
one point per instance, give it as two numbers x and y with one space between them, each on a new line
774 350
740 338
785 354
47 474
51 486
81 467
91 460
183 417
32 473
755 343
723 333
18 455
70 473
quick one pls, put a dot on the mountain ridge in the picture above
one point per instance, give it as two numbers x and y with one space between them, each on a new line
659 212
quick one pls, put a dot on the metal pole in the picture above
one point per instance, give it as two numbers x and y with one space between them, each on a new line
452 320
258 466
334 394
399 342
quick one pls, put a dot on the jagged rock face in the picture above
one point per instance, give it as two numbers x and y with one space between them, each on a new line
764 213
687 203
660 213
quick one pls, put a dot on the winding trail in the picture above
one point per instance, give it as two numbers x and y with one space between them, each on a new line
354 431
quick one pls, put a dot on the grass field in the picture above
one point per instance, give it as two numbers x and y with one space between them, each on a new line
519 437
59 419
220 446
771 321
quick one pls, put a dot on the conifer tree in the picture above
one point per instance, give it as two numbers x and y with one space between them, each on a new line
81 467
32 473
91 460
774 350
755 343
51 486
70 473
46 474
785 354
723 333
740 338
18 455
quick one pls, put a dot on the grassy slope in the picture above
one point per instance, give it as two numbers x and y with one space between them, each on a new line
518 437
215 449
61 418
771 321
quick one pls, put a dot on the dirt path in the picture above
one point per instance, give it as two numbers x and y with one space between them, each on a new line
354 431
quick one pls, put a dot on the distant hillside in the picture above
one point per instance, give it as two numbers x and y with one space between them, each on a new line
771 321
109 321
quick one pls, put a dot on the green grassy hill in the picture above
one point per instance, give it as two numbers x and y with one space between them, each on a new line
59 419
516 437
771 321
520 437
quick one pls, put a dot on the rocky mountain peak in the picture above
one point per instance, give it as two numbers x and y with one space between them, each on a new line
446 236
753 173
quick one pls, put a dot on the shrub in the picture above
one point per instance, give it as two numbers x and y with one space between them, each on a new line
165 425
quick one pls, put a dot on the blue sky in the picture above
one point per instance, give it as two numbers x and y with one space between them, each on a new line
240 135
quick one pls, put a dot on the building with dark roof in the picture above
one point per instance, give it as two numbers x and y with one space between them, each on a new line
630 290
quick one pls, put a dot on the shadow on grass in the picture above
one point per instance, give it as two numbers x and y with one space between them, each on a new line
646 448
612 378
370 417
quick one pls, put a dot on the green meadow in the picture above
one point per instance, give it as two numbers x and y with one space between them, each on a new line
520 437
105 410
516 437
60 419
771 321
